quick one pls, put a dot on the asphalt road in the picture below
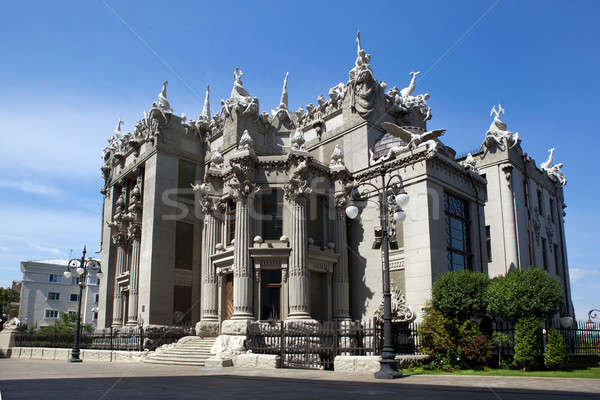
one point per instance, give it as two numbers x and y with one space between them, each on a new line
30 379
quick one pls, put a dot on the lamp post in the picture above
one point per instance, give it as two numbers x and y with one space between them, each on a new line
593 315
80 268
388 369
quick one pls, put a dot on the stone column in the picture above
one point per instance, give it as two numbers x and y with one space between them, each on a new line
209 320
242 268
298 280
134 281
341 282
508 220
117 302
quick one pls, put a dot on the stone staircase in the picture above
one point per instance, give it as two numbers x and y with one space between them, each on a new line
189 350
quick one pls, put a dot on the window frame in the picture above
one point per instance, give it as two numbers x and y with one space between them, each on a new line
270 221
52 297
466 232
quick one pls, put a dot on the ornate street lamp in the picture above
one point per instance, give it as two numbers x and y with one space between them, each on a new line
80 268
395 202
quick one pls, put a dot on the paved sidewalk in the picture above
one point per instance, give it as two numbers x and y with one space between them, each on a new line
40 379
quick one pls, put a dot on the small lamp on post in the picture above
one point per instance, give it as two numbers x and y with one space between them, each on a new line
80 268
388 366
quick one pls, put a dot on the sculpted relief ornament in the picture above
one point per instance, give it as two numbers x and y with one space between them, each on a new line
299 184
554 171
401 102
400 311
497 135
240 100
411 139
362 82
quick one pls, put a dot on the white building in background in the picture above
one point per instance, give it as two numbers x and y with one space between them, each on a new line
46 293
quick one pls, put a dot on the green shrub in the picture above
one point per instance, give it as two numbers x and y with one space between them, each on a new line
524 293
453 343
461 294
527 344
555 353
500 339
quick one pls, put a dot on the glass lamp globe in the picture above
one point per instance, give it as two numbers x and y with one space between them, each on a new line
99 274
80 271
67 274
399 216
352 212
402 199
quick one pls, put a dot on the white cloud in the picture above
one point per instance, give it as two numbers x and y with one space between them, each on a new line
578 274
3 248
50 250
31 187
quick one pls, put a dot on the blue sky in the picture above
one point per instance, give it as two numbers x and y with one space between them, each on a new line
71 68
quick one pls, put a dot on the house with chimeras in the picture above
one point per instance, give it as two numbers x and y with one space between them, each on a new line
240 216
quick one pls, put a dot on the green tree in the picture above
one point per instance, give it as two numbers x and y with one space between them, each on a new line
65 326
524 293
461 294
555 353
527 344
7 296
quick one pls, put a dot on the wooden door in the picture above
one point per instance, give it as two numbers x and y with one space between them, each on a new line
228 296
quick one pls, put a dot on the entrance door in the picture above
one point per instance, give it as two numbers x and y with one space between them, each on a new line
228 296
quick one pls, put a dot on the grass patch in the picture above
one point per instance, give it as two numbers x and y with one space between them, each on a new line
591 373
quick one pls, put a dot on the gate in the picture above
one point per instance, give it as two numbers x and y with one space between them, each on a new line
313 345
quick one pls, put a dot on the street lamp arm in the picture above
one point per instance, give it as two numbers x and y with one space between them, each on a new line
388 185
376 189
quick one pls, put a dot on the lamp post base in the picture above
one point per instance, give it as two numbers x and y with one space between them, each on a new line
388 370
75 357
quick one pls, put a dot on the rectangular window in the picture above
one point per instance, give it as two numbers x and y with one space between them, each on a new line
317 220
552 210
95 314
53 296
540 202
457 233
75 280
544 255
526 194
185 177
230 220
55 278
184 245
272 215
270 307
97 298
74 297
51 314
488 243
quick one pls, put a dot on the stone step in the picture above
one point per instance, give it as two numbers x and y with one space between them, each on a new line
191 363
184 352
178 359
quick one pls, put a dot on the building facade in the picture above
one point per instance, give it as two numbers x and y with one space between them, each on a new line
46 294
240 216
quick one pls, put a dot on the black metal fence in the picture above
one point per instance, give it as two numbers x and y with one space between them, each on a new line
130 339
315 344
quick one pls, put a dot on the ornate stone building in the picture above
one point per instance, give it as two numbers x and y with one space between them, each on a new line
241 216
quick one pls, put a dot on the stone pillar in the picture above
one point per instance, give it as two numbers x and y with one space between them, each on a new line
508 220
209 320
299 289
117 302
132 313
341 282
242 268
